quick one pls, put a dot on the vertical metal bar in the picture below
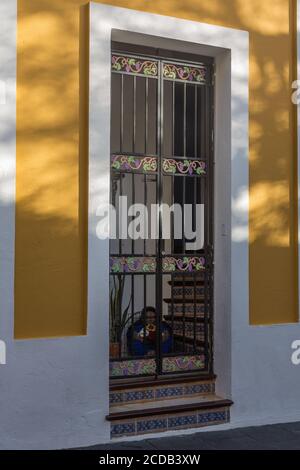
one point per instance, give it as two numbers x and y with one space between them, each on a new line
146 205
184 306
119 214
173 118
183 213
145 304
159 259
133 202
173 153
172 215
194 209
196 122
183 178
144 243
195 311
211 185
132 301
119 326
146 112
122 114
207 151
134 114
121 148
172 310
206 339
195 274
206 120
184 119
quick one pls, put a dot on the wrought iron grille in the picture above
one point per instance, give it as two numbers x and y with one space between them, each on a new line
161 312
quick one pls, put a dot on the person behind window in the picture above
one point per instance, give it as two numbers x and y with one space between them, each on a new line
141 336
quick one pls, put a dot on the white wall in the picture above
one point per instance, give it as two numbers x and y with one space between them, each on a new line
54 392
253 363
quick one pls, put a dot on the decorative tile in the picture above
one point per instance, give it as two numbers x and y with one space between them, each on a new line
134 164
181 363
169 392
134 65
183 264
199 388
132 367
161 392
176 166
180 421
122 429
132 264
138 395
212 417
185 73
115 397
171 421
156 424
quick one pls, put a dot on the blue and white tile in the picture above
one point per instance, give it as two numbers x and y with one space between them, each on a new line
122 429
182 421
150 425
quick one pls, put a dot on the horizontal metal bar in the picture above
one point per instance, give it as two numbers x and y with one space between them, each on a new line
133 74
134 154
183 81
183 62
138 172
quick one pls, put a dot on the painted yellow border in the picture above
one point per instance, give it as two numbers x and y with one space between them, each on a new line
50 270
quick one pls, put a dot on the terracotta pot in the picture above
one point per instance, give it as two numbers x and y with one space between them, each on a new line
114 350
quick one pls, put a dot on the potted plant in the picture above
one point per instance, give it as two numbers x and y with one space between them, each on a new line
117 318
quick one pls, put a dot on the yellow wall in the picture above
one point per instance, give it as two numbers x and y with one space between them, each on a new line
50 288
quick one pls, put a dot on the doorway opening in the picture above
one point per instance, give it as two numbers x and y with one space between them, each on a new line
161 287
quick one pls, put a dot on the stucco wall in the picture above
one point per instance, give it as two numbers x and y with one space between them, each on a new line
50 283
54 392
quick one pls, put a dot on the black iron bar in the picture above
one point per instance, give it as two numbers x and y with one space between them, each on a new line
172 177
184 119
133 202
120 215
146 113
159 292
195 311
134 115
183 215
119 332
173 118
211 197
146 205
207 234
196 123
172 214
122 114
132 301
144 308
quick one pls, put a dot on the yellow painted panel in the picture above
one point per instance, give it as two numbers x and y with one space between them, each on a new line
50 287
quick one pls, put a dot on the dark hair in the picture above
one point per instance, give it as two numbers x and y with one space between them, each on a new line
145 310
